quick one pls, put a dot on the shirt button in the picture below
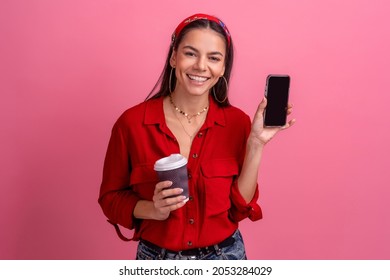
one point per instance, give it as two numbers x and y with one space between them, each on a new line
189 243
200 134
189 176
191 198
194 155
191 221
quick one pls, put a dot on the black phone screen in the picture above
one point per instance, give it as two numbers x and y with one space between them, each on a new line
277 89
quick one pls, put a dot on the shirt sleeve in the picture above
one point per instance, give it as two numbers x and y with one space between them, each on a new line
240 209
116 198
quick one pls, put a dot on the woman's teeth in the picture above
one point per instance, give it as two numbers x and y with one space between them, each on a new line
197 78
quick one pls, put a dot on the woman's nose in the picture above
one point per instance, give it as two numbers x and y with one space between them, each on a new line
201 64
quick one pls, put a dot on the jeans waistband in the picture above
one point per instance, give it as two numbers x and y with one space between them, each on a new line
196 252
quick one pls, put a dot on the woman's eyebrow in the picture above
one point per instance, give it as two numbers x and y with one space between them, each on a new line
195 50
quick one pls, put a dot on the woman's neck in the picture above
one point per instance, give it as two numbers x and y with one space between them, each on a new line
190 104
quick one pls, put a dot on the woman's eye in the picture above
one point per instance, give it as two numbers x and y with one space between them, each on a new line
189 54
215 58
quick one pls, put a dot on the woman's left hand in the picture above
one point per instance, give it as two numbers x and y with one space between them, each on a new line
263 134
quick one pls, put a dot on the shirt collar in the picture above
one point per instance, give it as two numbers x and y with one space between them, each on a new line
154 113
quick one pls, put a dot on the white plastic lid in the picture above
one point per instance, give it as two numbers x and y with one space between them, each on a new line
173 161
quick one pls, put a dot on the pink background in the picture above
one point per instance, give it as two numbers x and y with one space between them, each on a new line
69 68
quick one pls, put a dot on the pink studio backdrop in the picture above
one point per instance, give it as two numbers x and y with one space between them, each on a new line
69 68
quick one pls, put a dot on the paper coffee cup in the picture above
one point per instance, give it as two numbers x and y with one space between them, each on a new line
173 168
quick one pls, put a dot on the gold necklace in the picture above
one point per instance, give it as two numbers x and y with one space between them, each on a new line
188 116
191 136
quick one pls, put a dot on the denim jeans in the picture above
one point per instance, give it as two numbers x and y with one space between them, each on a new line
236 251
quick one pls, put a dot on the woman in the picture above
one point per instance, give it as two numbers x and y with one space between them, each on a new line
190 115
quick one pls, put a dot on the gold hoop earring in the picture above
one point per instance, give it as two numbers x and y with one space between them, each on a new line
170 80
226 95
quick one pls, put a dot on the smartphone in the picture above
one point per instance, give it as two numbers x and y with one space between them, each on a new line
276 91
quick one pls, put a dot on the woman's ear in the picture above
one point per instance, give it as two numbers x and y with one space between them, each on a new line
223 71
172 60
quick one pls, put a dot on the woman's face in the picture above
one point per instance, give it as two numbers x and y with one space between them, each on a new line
199 61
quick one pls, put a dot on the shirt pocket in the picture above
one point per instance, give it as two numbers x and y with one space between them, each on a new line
218 176
143 180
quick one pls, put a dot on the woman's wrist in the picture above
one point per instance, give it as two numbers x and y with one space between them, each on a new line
254 142
144 209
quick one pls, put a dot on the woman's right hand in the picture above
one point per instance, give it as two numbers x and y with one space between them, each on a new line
162 204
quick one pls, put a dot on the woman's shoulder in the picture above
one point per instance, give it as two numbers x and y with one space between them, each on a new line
237 120
137 112
235 113
134 110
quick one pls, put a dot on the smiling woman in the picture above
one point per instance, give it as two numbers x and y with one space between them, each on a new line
199 62
190 114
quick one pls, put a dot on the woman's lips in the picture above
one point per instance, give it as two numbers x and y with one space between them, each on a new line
198 79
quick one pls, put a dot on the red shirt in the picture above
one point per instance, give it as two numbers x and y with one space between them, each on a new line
140 137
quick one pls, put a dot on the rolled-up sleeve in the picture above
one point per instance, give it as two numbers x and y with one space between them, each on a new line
116 197
241 209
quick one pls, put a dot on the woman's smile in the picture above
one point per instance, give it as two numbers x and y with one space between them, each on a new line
199 62
197 79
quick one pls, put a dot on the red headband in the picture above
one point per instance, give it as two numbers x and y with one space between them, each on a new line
195 17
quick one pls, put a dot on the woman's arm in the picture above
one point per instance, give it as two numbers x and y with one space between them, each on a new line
258 138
